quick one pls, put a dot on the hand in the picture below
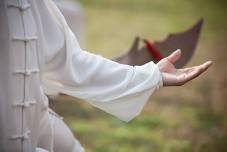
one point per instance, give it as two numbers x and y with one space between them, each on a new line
177 77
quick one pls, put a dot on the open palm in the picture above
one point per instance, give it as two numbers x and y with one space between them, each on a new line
176 77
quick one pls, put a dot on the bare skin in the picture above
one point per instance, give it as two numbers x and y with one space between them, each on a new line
170 75
177 77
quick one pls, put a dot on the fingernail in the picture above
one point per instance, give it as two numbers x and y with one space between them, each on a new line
178 51
210 62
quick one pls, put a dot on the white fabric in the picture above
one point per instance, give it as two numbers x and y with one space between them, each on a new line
120 90
62 139
39 50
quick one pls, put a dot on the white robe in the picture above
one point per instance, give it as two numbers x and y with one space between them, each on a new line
39 51
120 90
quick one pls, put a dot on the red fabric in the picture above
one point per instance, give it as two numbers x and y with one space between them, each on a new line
153 51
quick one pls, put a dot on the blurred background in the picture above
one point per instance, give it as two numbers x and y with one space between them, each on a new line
191 118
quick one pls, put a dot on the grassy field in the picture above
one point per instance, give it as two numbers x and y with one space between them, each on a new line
191 118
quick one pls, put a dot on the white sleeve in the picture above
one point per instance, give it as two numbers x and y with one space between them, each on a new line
118 89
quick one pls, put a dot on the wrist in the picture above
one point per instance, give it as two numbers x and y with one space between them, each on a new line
161 78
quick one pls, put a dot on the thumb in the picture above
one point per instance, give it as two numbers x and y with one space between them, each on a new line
174 56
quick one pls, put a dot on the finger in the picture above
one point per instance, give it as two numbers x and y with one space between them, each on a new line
196 71
174 56
135 45
207 64
203 67
188 70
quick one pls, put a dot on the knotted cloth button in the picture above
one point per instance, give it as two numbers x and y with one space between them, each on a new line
22 7
26 39
25 104
26 72
23 136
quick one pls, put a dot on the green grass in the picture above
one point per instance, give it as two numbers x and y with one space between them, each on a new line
186 119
